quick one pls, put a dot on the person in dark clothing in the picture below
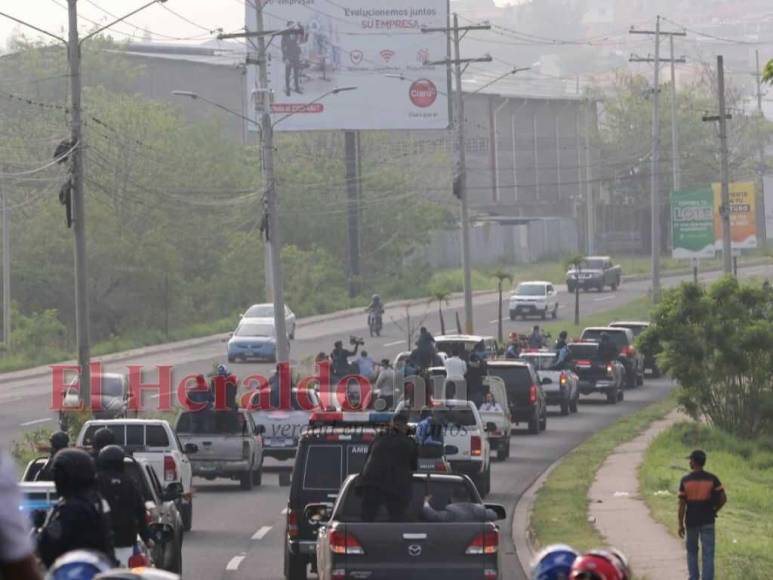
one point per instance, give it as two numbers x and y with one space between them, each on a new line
513 350
81 518
701 496
59 440
291 55
339 359
425 345
536 338
102 438
608 351
477 369
562 351
387 476
127 508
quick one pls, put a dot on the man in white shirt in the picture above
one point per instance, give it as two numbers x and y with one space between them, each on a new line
366 365
456 369
16 556
490 405
385 385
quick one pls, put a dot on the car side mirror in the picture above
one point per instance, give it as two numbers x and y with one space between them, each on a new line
318 513
491 427
191 448
173 491
259 429
546 381
497 509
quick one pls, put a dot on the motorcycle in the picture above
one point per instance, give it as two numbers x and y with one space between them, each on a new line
375 323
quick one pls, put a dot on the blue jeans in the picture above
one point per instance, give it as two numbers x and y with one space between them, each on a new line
706 536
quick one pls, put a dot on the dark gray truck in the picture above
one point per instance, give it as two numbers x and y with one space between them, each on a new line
594 272
414 548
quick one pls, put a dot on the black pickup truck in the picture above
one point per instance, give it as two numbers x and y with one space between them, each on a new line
596 375
594 272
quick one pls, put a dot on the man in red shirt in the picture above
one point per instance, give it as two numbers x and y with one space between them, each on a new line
701 496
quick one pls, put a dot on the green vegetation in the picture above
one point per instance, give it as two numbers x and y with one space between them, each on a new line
718 343
744 527
561 510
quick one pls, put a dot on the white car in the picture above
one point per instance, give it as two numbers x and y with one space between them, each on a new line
534 299
264 314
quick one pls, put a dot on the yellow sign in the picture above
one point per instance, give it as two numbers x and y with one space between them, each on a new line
743 215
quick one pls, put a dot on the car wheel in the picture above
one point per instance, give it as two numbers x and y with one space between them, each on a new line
555 312
543 424
630 380
245 480
231 359
612 396
564 408
573 405
186 513
544 314
512 316
614 286
257 475
534 425
295 567
504 451
483 482
640 379
570 288
292 334
620 395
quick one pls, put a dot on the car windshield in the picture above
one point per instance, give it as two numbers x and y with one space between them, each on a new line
326 465
212 423
592 264
442 493
530 290
255 330
618 337
541 362
260 311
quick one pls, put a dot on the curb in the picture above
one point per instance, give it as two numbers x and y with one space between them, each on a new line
525 547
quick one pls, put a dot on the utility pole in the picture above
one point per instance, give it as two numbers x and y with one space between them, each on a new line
352 150
590 207
675 165
655 201
460 173
6 272
762 169
78 209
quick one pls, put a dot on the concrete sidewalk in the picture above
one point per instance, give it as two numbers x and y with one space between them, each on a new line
620 514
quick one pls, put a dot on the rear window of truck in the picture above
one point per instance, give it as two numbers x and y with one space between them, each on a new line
512 375
583 351
326 465
212 423
618 337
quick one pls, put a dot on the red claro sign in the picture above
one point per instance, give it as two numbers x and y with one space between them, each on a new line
423 93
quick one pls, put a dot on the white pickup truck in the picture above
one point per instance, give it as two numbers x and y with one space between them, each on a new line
282 428
153 441
464 437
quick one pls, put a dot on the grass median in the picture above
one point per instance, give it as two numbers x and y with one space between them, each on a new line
745 526
560 514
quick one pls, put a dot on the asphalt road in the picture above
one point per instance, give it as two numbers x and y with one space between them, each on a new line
239 534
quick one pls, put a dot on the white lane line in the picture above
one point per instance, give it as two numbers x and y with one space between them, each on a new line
36 421
604 298
284 512
395 343
261 533
235 562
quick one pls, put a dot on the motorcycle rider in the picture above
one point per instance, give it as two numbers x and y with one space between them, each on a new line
81 518
127 507
58 441
376 307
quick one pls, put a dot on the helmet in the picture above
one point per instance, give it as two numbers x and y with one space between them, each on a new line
597 565
222 370
553 563
138 574
376 298
110 458
78 565
59 440
73 471
102 438
622 561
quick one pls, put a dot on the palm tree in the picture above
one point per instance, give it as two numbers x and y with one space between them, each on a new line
575 262
501 275
441 295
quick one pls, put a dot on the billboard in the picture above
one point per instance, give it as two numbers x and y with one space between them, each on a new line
692 219
768 185
743 215
376 46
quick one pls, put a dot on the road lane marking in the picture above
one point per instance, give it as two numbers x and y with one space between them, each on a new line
235 562
604 298
395 343
261 533
36 421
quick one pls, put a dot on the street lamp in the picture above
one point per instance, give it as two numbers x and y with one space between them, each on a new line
198 97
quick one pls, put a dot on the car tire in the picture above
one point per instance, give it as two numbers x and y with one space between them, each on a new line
554 314
612 396
621 396
544 314
534 425
565 408
573 407
570 288
295 567
186 514
640 379
630 381
257 476
503 453
231 359
543 423
512 315
245 481
483 482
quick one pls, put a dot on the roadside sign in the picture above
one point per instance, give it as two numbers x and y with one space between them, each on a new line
743 215
692 219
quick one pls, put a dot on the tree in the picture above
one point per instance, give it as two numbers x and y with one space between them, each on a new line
441 296
767 73
501 275
718 343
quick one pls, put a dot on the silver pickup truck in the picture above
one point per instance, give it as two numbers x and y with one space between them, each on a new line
227 444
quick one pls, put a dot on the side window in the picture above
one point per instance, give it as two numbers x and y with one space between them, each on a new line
550 289
155 484
155 436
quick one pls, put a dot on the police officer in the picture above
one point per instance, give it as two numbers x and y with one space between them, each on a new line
127 508
102 438
58 441
81 518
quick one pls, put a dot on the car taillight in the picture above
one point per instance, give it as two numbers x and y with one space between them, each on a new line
629 351
338 574
491 574
170 468
609 369
532 394
562 380
475 446
292 524
137 561
344 543
245 450
485 543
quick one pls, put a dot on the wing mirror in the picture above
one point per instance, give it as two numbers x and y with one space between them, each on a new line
191 448
497 509
318 513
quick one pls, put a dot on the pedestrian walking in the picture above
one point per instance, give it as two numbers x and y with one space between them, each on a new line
701 496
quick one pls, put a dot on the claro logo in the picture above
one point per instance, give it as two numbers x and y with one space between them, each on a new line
423 93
